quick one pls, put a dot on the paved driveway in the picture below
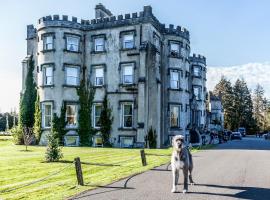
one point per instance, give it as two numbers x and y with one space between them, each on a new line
234 170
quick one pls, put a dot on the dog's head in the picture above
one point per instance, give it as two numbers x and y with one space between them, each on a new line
178 142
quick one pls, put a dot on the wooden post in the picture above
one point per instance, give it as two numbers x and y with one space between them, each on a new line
143 158
78 168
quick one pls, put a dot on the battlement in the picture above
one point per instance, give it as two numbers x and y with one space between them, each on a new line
198 58
145 16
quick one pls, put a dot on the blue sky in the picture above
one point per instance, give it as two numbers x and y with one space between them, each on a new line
227 32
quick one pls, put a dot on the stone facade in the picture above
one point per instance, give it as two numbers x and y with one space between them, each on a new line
144 67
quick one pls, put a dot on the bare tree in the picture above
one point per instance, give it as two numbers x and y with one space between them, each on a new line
28 136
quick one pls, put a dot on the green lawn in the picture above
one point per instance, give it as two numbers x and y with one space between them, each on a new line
18 168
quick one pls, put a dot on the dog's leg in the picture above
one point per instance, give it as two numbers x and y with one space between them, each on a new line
175 175
185 172
190 177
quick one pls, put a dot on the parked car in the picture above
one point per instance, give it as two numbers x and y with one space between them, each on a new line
242 130
236 135
266 136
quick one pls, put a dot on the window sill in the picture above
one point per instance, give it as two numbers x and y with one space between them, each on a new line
68 51
176 128
47 50
46 86
46 128
98 52
128 49
172 89
127 85
176 56
99 86
71 86
127 129
196 76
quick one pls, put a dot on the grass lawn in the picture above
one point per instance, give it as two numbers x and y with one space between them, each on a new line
101 166
18 167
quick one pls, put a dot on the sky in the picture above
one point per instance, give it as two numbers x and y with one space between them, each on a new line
231 34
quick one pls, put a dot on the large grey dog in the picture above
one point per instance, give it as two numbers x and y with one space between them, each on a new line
181 160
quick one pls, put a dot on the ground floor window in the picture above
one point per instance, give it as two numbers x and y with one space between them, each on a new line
97 112
71 115
126 141
46 114
127 115
175 116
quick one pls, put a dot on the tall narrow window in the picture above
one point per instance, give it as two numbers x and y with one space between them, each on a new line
197 93
71 115
197 71
127 115
46 115
128 41
175 116
73 43
175 80
99 44
72 75
48 75
99 79
97 113
128 74
48 42
174 49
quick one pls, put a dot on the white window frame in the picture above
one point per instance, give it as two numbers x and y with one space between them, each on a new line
177 52
124 75
96 46
126 42
199 92
45 68
44 116
172 81
75 115
197 73
123 114
69 45
76 77
122 138
97 77
171 112
46 43
94 114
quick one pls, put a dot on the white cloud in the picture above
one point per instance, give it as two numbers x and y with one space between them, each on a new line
253 73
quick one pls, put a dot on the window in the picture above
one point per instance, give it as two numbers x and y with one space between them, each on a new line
48 42
127 115
197 71
175 116
46 114
197 93
156 41
128 41
175 80
71 115
72 75
99 79
97 112
174 49
48 75
128 74
126 142
73 43
99 44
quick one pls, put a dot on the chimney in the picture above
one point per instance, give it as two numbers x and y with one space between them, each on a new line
102 12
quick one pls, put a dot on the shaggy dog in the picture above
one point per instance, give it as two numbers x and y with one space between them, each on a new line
181 160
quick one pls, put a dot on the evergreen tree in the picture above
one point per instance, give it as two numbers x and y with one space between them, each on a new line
106 120
225 89
151 138
37 124
28 98
258 106
86 95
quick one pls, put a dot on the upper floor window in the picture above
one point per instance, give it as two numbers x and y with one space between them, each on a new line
128 74
128 41
71 115
72 75
127 115
48 75
175 116
175 80
197 92
197 71
156 39
73 43
174 49
97 112
48 42
99 44
99 76
46 114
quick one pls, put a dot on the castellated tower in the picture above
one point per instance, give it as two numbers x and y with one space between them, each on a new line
143 66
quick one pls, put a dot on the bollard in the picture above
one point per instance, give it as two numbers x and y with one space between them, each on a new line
78 168
143 158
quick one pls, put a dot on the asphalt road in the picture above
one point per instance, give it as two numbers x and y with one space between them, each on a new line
234 170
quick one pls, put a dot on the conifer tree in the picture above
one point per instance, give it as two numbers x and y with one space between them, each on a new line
37 124
258 106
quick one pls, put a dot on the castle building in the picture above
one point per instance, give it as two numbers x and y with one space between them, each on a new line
143 66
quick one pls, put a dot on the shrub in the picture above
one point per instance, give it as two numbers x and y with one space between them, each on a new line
53 152
151 138
17 134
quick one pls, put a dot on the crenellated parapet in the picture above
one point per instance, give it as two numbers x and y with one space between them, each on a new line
198 58
31 32
145 16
